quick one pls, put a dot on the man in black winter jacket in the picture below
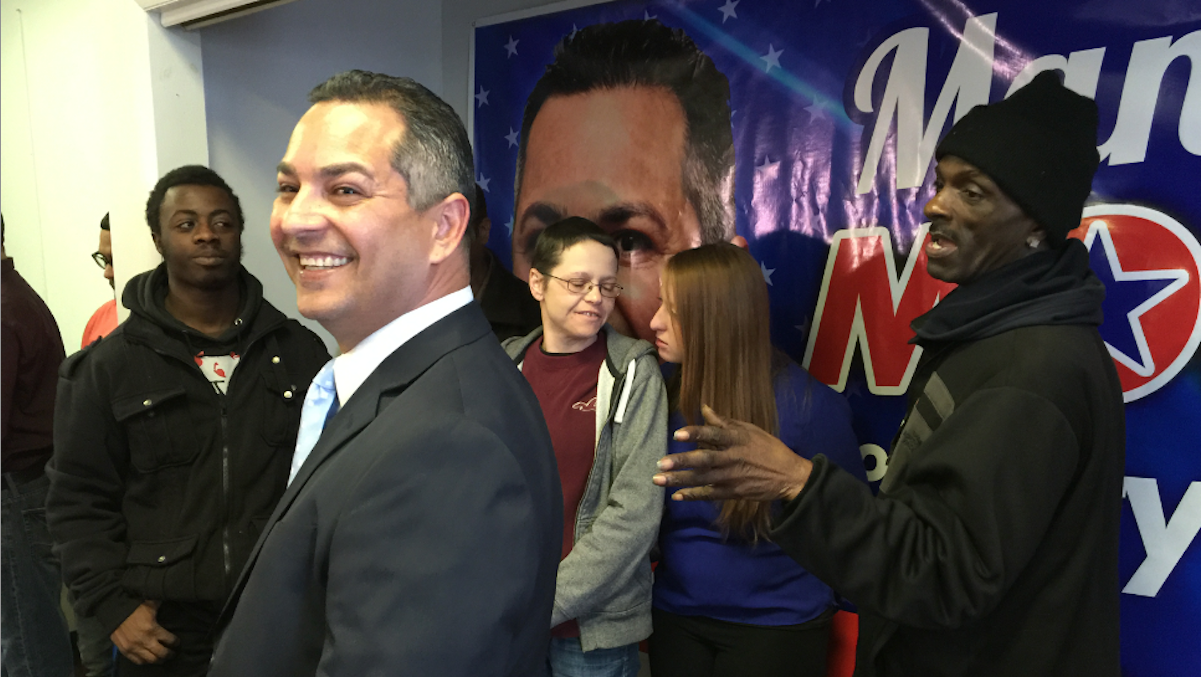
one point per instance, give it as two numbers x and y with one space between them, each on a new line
992 548
174 434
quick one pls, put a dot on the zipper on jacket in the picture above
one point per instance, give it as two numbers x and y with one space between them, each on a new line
226 552
226 559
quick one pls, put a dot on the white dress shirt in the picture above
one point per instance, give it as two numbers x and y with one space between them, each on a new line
353 367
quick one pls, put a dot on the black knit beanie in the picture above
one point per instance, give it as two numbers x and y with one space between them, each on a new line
1039 146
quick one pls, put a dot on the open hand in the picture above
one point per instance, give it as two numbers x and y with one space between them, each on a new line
733 459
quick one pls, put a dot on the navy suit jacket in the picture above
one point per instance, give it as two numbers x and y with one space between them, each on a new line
422 534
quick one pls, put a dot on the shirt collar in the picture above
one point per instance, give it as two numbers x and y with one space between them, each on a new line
354 366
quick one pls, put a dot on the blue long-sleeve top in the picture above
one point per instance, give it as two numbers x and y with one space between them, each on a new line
703 574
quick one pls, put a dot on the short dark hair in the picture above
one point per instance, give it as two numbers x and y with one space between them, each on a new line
561 236
434 154
648 54
104 223
479 212
187 175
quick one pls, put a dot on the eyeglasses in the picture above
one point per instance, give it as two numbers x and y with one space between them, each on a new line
101 260
579 285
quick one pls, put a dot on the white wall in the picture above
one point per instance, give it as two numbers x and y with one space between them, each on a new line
258 71
97 101
458 19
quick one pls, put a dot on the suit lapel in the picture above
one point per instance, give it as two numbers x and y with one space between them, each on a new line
394 374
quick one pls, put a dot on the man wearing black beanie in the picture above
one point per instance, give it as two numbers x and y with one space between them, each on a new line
992 547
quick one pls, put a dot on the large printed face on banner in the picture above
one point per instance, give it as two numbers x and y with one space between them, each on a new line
613 156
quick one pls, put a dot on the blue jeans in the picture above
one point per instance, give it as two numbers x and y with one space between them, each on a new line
35 639
568 659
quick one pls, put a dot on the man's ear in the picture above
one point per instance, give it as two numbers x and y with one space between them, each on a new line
158 244
739 241
537 285
450 218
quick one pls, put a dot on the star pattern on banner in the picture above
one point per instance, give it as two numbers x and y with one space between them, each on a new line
511 47
481 99
509 227
1128 295
767 168
647 16
803 327
727 10
574 30
817 112
772 58
818 2
766 273
512 137
484 181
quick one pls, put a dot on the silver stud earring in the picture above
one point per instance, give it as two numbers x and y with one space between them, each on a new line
1033 241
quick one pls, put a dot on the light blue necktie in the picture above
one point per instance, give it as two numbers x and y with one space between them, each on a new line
320 405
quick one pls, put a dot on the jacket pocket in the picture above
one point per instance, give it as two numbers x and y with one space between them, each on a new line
162 570
281 412
157 427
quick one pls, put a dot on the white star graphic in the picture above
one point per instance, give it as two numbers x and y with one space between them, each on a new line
647 16
512 137
481 99
1145 365
574 30
772 58
727 10
817 112
484 183
768 168
509 226
766 273
511 47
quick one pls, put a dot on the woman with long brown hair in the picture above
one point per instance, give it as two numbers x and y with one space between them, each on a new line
727 601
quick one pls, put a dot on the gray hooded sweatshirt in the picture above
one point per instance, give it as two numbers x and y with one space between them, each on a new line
605 581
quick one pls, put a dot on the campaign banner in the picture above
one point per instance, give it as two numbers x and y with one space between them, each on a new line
835 109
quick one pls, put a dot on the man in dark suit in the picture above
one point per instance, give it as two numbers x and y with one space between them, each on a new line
421 534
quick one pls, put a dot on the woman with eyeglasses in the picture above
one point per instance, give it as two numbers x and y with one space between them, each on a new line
606 408
727 601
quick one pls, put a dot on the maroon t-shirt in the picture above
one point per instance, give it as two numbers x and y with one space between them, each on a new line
566 388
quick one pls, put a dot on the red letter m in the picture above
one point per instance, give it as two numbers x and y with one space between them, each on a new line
863 302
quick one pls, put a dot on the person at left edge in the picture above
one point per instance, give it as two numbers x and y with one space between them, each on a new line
174 435
421 531
35 641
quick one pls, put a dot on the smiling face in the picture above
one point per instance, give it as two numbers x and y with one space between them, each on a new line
199 237
570 321
359 254
667 332
614 157
974 227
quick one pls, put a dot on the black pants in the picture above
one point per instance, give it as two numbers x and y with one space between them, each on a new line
696 646
192 624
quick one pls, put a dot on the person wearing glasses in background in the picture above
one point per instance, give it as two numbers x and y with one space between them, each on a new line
606 407
104 320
